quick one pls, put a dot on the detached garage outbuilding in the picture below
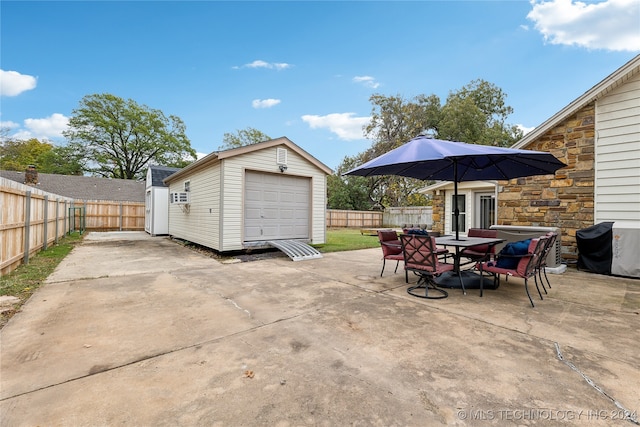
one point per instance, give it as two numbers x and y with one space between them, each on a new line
244 197
156 202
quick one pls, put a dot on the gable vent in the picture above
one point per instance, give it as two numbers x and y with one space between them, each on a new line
281 156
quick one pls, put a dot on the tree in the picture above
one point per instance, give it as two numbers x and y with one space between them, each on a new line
120 138
347 192
243 137
18 154
477 114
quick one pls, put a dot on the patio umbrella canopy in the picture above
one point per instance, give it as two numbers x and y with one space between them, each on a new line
435 159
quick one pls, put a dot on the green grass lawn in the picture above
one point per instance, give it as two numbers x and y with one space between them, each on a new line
347 239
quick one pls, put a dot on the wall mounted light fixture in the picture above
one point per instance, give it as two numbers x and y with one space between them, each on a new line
282 168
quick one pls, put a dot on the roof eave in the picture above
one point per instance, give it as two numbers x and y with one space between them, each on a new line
614 80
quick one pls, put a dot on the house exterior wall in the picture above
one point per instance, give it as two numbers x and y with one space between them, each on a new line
198 222
265 161
617 171
565 200
442 203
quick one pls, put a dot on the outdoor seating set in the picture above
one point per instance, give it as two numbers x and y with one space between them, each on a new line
425 256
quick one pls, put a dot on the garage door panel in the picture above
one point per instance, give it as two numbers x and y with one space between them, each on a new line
287 197
271 213
270 196
287 214
252 213
253 196
277 206
252 233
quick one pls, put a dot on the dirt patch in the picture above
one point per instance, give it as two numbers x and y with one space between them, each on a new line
244 256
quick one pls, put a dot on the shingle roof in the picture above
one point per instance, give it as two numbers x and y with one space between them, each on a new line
158 173
85 187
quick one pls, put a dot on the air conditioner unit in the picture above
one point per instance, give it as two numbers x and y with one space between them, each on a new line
180 198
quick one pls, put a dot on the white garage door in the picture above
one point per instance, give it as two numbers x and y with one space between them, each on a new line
276 207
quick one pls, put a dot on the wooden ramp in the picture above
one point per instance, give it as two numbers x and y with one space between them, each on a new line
296 250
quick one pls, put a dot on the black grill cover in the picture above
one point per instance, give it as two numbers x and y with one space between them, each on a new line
595 251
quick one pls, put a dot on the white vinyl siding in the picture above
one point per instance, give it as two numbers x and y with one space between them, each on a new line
198 222
215 215
617 156
234 169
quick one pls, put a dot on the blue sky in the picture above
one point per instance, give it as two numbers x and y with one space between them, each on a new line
300 69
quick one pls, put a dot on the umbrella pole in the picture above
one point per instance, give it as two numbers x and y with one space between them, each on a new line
456 211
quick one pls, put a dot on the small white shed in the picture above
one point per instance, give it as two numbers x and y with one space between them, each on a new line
243 197
156 201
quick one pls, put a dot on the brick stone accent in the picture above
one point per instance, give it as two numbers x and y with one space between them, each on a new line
565 200
437 215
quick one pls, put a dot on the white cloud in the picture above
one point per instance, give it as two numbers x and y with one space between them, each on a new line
525 130
9 125
265 103
345 125
48 128
12 83
610 25
263 64
367 81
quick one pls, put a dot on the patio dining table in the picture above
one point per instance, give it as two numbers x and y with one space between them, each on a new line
459 278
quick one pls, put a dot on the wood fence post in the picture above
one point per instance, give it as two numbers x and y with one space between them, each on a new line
55 240
27 227
45 229
121 213
65 217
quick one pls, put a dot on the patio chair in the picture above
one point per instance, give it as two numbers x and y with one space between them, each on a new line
479 253
421 257
441 252
391 248
542 261
523 265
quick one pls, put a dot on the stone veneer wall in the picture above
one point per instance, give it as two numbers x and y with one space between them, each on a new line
437 214
567 199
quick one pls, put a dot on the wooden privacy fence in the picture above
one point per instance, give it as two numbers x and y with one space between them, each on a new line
31 220
391 217
354 219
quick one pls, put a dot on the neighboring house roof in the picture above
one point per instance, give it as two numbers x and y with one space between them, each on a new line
159 173
614 80
220 155
85 187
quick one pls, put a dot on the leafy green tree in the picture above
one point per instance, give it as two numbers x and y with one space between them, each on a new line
347 192
477 114
62 160
243 137
16 154
120 138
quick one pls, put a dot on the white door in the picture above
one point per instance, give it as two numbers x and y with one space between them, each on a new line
485 210
276 206
147 212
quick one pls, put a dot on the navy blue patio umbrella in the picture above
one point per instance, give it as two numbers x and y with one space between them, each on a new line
434 159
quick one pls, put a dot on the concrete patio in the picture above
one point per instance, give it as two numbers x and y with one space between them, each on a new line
139 331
